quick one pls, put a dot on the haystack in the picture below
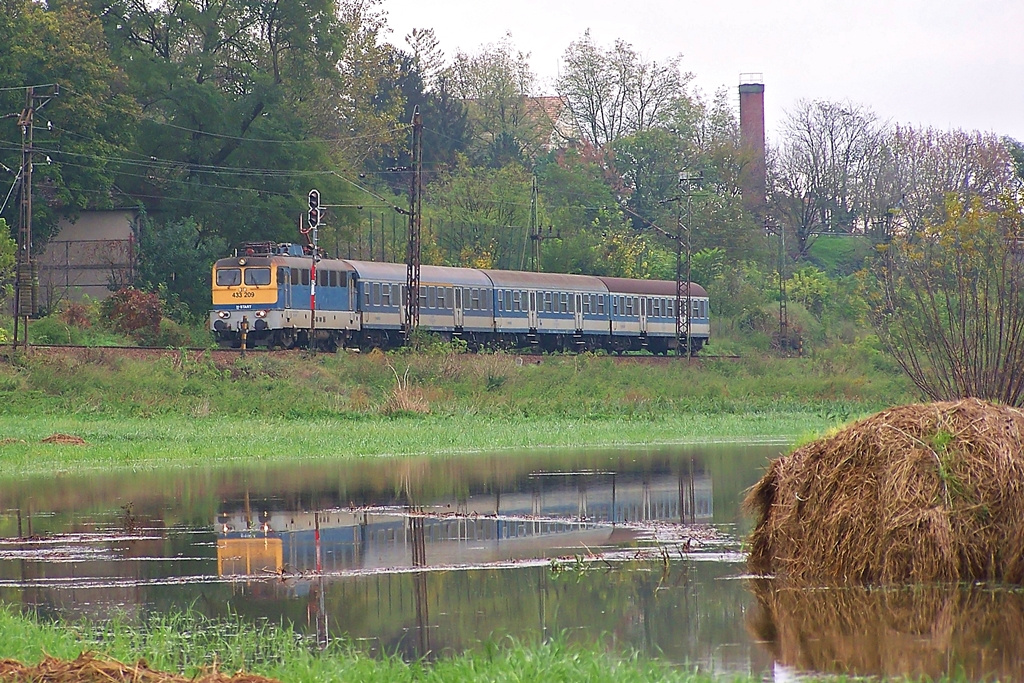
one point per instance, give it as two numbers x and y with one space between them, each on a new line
918 493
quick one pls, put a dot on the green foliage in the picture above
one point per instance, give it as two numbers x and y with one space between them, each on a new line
175 260
8 259
810 287
482 215
234 126
132 312
57 329
86 128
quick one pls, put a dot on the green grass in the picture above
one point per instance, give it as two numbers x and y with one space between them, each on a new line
183 643
185 409
142 443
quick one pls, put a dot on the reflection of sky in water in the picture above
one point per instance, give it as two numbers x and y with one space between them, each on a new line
640 549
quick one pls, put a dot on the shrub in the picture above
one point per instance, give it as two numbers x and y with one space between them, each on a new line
80 314
133 312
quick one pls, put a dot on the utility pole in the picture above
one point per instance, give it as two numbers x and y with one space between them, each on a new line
25 287
537 234
412 278
683 296
687 179
780 230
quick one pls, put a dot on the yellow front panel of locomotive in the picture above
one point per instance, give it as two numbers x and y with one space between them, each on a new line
243 293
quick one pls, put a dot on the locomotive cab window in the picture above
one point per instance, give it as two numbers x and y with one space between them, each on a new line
229 277
257 276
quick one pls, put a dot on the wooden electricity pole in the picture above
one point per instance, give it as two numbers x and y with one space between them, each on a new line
24 284
412 278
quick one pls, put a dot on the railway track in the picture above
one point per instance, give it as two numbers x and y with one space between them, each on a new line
229 355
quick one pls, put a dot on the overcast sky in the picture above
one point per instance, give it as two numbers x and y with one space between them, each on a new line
941 63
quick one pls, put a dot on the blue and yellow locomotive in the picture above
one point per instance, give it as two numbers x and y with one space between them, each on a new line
264 291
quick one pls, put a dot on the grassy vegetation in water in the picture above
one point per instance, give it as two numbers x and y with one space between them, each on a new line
183 643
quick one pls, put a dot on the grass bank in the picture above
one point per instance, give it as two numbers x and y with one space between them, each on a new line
189 408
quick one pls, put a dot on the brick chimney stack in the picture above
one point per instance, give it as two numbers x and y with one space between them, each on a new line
753 182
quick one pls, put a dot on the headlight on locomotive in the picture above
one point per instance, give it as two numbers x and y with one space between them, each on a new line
223 315
261 314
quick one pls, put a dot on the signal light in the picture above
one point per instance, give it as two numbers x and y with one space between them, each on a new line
314 208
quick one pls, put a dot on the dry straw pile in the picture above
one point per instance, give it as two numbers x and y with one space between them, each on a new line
917 493
90 668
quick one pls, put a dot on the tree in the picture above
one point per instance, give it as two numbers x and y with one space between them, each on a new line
915 169
246 104
178 256
497 84
8 251
481 215
446 132
1016 150
816 179
614 93
949 302
81 134
427 57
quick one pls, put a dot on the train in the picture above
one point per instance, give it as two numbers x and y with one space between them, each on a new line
262 294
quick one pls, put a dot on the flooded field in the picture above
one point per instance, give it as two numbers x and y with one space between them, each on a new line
425 556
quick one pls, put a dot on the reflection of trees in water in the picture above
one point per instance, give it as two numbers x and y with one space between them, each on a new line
922 631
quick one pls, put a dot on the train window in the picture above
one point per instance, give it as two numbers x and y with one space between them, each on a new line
670 308
332 278
376 294
508 299
305 276
547 302
600 304
629 305
563 303
615 305
423 297
385 294
321 278
295 276
257 276
280 275
229 277
366 295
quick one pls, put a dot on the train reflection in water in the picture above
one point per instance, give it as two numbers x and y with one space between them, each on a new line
564 514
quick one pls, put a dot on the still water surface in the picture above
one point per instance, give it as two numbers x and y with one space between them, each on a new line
636 549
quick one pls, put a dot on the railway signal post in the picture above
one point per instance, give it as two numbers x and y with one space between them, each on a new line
312 233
